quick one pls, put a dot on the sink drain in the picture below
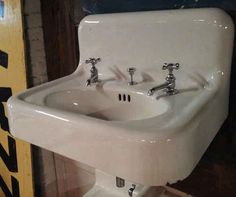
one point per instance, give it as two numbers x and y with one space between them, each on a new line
124 97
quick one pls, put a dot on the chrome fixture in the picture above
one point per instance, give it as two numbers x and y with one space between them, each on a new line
131 71
169 85
131 190
93 71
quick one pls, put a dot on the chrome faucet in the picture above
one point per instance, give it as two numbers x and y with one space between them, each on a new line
93 71
169 85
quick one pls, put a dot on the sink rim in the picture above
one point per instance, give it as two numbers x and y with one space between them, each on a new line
132 126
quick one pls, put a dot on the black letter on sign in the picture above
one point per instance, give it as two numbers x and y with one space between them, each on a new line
5 94
3 59
15 187
10 159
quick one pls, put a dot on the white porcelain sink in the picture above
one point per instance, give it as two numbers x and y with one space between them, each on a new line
117 128
110 105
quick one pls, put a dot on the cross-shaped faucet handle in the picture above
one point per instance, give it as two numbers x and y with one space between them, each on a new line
92 61
170 66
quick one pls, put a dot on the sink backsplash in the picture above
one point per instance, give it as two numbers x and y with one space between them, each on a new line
148 40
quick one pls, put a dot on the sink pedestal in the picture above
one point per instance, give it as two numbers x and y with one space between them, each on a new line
106 186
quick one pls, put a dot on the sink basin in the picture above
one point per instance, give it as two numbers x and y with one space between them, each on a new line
110 106
117 128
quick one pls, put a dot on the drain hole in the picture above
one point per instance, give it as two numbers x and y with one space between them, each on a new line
119 97
129 98
124 97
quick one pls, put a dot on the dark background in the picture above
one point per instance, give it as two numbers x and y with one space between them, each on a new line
215 175
110 6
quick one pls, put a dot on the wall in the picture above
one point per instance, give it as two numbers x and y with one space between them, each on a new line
36 59
61 41
105 6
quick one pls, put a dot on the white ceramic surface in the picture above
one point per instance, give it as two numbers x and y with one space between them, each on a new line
150 140
107 105
105 187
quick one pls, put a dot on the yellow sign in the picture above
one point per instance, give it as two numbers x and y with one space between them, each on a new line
15 155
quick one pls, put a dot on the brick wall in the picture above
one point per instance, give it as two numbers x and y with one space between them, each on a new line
35 51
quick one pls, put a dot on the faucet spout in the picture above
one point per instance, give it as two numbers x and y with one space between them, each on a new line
169 85
166 85
92 79
88 82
